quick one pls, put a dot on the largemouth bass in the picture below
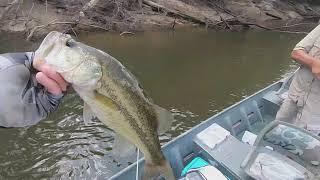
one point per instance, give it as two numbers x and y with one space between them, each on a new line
113 95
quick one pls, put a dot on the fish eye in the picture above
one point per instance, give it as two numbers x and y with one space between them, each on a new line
69 43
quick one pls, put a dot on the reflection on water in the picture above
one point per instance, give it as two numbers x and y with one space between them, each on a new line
194 74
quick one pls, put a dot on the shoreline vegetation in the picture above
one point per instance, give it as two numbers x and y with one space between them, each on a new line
35 18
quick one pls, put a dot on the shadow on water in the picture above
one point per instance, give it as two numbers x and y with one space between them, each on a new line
194 74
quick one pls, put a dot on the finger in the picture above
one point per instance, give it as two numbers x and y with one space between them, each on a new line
50 84
52 74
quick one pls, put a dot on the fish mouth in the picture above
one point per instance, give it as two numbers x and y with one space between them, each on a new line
49 41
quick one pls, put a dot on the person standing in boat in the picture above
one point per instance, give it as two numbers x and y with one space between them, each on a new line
302 106
31 90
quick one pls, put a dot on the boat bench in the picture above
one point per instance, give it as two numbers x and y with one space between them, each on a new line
274 99
277 97
229 154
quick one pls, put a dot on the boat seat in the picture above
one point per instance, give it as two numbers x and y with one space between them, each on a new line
277 97
274 98
229 153
263 163
290 143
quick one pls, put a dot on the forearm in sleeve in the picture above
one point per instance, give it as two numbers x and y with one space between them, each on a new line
22 101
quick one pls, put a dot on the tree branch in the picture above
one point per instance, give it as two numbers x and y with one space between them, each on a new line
9 8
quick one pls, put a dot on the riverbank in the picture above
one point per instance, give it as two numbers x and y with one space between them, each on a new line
35 18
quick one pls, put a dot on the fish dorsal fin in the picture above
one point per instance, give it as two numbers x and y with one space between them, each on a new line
88 115
164 118
122 148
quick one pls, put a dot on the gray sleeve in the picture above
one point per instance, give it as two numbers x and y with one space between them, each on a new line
307 42
23 102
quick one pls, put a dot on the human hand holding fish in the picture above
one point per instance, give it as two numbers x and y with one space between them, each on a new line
49 78
112 94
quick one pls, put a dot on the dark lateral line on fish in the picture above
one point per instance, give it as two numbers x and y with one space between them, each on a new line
132 123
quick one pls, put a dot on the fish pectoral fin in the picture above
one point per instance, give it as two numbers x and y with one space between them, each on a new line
122 147
164 118
88 115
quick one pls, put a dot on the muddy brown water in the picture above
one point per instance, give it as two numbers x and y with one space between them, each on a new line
193 73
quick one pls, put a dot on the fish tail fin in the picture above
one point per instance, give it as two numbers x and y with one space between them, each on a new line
153 172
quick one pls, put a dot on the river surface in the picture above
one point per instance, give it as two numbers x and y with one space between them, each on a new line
193 73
